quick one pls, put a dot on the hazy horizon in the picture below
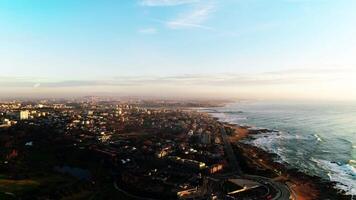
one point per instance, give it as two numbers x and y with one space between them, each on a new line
280 50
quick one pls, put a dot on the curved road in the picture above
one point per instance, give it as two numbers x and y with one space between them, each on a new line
283 191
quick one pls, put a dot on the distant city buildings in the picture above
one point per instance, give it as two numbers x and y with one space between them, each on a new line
151 148
24 114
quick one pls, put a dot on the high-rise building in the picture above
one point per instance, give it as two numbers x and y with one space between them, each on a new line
24 114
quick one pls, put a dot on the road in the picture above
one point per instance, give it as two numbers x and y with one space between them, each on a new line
230 153
283 192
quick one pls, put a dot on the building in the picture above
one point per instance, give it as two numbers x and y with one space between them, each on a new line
216 168
191 164
206 138
24 114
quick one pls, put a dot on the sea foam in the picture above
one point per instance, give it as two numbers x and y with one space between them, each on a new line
298 142
318 138
343 174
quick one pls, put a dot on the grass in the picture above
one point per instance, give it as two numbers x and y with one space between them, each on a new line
26 185
4 196
17 186
2 176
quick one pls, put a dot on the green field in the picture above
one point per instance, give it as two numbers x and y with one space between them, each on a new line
17 186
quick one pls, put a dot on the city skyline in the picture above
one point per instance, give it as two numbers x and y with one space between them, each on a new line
285 49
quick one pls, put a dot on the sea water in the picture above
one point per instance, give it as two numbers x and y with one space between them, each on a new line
316 138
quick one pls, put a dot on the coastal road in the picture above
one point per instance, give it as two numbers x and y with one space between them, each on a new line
283 192
230 153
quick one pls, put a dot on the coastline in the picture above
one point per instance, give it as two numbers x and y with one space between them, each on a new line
257 161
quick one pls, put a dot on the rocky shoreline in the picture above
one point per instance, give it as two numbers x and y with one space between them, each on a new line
254 160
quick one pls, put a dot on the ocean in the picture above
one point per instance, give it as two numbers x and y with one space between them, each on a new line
317 138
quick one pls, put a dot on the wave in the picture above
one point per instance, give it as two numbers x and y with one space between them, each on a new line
267 142
232 112
296 148
343 174
352 163
234 119
275 135
318 138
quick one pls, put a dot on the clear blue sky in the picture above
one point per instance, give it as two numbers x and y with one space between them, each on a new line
87 41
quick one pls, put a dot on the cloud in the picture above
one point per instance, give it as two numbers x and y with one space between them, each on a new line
194 18
198 12
37 85
148 31
328 84
283 77
166 2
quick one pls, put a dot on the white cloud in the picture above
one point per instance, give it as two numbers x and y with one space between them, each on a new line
194 18
328 83
37 85
286 77
166 2
148 31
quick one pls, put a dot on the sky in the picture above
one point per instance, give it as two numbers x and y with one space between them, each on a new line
243 49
